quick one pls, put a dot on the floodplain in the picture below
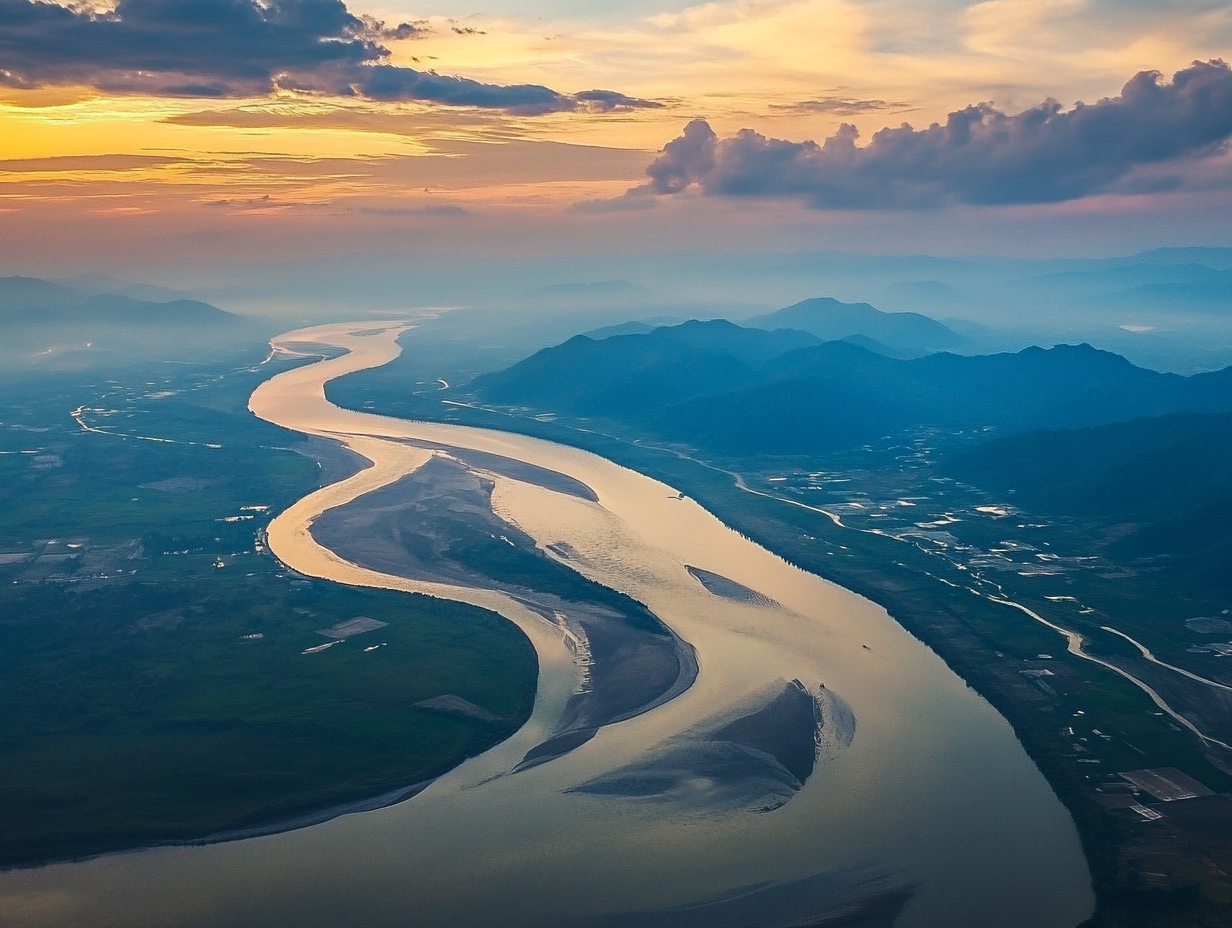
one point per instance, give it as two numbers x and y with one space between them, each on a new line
156 688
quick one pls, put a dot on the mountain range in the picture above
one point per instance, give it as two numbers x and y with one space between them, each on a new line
1138 461
901 334
54 324
31 301
738 390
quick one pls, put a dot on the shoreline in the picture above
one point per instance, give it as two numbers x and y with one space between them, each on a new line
289 535
279 827
361 440
925 756
392 458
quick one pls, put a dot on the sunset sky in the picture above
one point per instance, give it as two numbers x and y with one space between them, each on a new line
198 133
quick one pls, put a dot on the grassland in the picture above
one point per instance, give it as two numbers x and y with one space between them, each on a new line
138 706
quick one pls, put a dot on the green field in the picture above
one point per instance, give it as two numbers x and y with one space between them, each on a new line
135 706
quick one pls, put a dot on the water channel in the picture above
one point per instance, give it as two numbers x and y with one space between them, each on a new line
922 809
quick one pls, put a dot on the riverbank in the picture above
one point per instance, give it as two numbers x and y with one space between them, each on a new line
155 691
973 634
922 808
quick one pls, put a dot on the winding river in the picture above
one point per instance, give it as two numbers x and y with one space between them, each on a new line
918 808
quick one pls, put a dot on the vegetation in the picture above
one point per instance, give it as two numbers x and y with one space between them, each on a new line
1146 874
145 712
138 706
1155 493
744 392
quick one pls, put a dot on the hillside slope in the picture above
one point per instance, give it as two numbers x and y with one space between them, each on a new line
737 390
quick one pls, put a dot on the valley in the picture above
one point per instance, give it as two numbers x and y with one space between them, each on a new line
924 522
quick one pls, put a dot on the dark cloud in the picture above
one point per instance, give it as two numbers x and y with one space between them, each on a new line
237 48
685 160
606 100
387 82
979 156
376 29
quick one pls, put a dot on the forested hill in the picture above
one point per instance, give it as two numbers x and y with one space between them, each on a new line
737 390
1160 488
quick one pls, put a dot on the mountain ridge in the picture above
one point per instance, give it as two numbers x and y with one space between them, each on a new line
34 301
737 390
831 320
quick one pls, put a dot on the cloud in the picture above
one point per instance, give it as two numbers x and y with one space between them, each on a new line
604 101
842 106
242 48
388 82
256 204
979 156
85 163
686 160
235 47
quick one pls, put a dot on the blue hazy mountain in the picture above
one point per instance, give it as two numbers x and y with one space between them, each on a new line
909 334
94 284
51 324
636 373
31 301
736 390
634 327
1213 294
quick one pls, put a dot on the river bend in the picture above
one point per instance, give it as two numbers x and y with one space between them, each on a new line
910 804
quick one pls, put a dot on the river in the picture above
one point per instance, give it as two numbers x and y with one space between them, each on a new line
922 809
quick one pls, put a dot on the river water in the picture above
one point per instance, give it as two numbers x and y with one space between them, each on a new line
931 814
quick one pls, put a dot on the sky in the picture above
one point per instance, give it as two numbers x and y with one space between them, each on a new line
180 138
